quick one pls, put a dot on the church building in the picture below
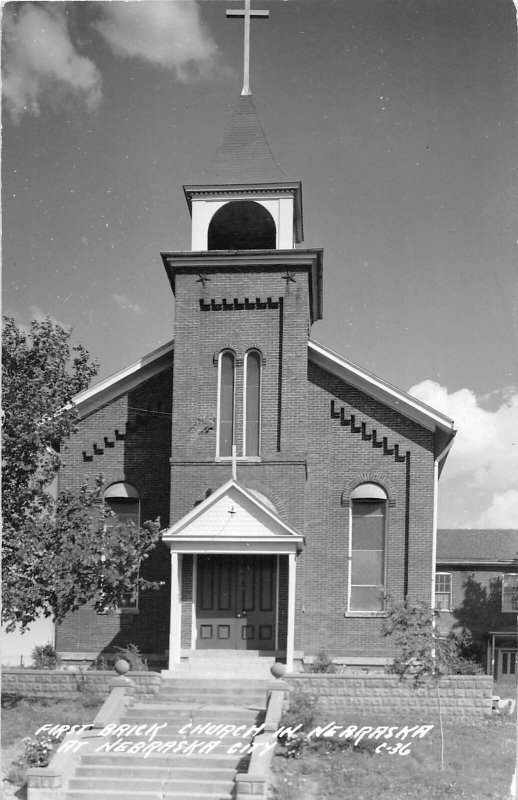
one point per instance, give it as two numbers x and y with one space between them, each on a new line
295 489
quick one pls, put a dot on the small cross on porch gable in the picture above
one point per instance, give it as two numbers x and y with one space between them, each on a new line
247 14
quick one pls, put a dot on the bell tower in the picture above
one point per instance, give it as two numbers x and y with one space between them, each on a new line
245 299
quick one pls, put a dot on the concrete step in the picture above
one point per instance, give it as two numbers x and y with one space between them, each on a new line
136 794
156 712
123 761
143 771
123 784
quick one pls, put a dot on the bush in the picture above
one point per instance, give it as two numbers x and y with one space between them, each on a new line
45 657
302 710
323 664
132 655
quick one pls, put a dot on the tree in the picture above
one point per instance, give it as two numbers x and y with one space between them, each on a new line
57 554
422 654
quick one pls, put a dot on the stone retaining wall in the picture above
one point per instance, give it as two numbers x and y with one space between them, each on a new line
464 698
66 684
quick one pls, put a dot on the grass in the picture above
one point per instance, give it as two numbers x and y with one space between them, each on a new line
479 764
22 716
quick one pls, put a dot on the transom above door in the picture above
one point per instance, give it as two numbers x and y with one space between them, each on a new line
236 602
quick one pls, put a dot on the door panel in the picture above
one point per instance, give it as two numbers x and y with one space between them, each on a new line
236 602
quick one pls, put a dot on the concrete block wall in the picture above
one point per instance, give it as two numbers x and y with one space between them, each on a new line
464 698
68 684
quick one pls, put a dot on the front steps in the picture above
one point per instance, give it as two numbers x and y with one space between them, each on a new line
189 701
251 664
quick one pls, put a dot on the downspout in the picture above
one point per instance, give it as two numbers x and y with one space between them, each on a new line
436 463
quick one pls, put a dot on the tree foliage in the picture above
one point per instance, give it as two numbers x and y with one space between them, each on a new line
58 554
421 652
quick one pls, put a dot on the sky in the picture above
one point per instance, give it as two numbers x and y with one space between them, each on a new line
399 118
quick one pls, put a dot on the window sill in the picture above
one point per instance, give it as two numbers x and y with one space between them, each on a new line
367 614
118 611
239 459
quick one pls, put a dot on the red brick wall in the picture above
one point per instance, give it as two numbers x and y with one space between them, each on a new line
338 460
476 605
309 463
126 440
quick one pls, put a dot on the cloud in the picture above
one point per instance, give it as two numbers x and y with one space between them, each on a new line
127 305
40 316
503 511
483 463
40 59
166 34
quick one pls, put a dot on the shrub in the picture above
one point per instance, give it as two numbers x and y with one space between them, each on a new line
45 657
132 655
323 664
302 710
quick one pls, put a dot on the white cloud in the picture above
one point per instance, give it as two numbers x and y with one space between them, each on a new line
128 305
40 316
166 34
503 511
483 463
41 60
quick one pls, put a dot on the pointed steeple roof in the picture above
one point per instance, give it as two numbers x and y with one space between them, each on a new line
244 156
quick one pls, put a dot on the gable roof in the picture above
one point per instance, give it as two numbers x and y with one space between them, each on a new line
125 380
158 360
385 392
232 517
473 546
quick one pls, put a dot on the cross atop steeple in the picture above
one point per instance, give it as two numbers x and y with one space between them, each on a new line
247 14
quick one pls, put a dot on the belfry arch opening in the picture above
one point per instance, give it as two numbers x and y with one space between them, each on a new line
242 225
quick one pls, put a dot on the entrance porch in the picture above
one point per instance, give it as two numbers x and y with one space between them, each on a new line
233 577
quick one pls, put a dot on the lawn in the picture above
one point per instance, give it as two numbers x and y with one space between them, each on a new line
22 717
478 764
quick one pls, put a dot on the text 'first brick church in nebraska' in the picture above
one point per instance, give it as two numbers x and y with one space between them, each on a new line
295 488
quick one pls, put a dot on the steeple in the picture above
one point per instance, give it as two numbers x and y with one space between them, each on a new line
246 200
245 155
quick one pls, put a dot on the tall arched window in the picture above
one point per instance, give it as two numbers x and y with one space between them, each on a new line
252 433
123 501
226 402
367 548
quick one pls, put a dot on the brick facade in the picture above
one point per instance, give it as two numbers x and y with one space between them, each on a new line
321 435
309 464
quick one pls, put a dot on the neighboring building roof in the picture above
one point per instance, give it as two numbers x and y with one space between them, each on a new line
473 546
161 359
244 155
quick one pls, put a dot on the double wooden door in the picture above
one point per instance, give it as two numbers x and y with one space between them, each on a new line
236 602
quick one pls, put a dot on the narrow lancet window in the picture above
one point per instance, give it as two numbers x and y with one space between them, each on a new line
252 403
226 403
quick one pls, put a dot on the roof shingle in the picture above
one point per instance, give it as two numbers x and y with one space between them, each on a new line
244 155
474 546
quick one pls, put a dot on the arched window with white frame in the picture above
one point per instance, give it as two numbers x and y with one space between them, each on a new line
367 548
252 404
123 501
226 402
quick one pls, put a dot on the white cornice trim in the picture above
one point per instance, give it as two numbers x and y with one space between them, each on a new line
374 386
175 531
123 381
